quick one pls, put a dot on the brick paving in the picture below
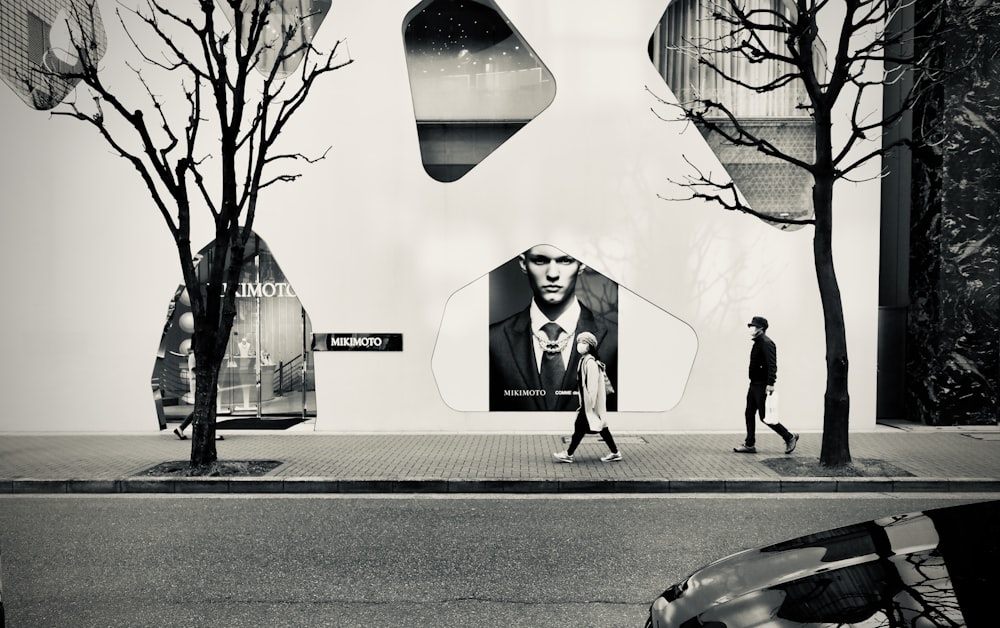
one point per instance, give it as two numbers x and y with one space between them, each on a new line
937 459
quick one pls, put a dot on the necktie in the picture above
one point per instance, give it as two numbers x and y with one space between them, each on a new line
552 366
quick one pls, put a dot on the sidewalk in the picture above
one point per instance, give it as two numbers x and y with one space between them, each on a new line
964 459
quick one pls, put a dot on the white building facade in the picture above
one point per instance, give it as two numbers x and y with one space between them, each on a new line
406 231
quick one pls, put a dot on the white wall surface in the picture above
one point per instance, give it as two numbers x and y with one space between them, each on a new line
372 244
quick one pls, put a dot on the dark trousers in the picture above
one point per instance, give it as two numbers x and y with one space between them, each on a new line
756 398
581 427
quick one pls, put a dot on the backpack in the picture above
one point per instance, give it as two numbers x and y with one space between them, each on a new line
608 388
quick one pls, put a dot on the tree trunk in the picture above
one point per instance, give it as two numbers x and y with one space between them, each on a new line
214 313
835 449
203 452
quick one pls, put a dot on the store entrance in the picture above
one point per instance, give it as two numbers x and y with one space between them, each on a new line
266 378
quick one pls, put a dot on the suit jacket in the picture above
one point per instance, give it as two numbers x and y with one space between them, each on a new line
514 379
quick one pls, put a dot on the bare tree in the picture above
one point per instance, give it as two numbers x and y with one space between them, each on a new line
874 48
212 148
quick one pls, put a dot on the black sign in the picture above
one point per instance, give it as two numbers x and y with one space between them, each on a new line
357 342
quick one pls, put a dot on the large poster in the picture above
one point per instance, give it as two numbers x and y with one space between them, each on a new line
539 302
507 341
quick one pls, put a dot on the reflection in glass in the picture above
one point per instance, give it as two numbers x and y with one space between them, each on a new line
267 371
692 30
936 568
39 44
300 17
474 82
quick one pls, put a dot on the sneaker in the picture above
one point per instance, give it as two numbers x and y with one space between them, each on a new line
562 456
612 457
791 443
745 449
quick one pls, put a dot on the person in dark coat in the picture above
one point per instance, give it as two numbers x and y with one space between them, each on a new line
763 374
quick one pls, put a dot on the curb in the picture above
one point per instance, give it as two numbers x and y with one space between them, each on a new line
318 485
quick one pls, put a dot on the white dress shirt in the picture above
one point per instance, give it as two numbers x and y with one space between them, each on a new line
567 321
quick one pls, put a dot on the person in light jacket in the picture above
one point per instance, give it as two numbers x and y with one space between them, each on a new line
591 417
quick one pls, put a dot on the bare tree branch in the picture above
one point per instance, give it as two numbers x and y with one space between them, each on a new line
162 135
726 195
759 34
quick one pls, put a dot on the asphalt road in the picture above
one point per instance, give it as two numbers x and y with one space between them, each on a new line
132 561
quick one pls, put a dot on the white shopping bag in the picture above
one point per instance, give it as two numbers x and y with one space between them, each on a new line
771 409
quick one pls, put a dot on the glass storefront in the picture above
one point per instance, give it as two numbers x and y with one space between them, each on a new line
266 378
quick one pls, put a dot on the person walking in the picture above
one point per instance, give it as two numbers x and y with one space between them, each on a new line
591 417
179 431
763 374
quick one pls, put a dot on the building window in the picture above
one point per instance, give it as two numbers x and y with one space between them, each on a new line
38 38
298 18
474 81
38 42
689 24
267 372
689 31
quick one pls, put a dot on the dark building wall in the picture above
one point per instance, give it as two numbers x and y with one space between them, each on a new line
953 320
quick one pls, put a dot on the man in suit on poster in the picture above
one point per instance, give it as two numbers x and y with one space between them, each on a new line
533 359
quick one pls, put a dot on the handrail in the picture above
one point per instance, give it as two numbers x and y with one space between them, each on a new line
288 376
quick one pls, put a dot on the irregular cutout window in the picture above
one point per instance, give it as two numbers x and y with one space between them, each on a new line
266 379
298 19
474 81
38 40
689 29
490 352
